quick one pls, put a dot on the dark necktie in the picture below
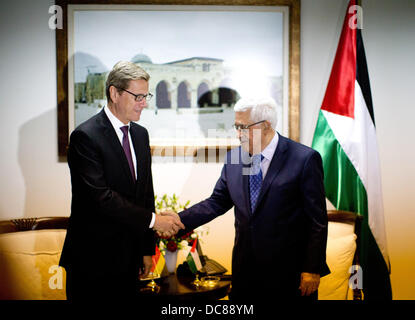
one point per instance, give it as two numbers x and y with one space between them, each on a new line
127 150
255 180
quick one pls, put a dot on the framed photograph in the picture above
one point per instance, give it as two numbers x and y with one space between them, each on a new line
201 59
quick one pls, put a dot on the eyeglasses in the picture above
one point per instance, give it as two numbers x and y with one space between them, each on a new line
140 97
245 126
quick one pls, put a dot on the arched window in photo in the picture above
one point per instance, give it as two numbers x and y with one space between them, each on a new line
204 95
183 95
163 100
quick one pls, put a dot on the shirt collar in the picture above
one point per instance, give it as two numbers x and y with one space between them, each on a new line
269 150
116 123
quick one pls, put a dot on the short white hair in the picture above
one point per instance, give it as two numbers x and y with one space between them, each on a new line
261 109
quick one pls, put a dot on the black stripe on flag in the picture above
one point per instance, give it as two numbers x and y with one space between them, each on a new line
362 74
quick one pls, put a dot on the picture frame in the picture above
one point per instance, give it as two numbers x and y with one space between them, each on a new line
67 90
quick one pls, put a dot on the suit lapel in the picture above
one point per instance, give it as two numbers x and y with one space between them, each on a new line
275 166
245 183
244 173
115 145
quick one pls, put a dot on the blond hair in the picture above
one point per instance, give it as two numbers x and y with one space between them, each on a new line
121 75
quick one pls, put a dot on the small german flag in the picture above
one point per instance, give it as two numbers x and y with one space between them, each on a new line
158 263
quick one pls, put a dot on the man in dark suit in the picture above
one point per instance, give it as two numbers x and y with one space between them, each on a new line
110 237
276 188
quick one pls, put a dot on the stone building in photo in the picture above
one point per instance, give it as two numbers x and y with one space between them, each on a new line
195 82
189 90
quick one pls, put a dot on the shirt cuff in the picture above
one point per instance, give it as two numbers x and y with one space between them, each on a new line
153 219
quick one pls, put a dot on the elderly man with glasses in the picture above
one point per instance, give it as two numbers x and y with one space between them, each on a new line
276 188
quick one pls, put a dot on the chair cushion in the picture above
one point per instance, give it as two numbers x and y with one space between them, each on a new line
340 253
29 263
339 229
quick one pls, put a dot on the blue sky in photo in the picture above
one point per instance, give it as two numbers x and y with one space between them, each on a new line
239 38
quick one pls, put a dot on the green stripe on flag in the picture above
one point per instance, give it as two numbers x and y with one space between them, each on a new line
343 186
193 261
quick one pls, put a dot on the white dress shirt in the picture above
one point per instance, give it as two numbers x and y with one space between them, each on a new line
268 153
117 124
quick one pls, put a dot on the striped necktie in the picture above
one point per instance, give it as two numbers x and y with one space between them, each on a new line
255 180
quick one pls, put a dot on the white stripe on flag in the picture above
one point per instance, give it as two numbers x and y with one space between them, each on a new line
196 259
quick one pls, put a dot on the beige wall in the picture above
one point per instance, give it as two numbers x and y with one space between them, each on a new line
34 183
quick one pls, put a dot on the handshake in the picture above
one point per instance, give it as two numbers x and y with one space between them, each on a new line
167 223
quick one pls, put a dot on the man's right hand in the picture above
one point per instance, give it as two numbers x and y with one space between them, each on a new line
168 223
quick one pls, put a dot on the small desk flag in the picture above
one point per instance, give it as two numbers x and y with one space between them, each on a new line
158 263
193 258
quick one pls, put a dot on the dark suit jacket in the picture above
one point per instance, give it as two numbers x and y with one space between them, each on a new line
108 230
287 232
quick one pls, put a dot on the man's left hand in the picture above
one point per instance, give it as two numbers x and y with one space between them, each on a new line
309 283
147 264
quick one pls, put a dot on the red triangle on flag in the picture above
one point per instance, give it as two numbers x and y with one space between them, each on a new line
194 246
339 97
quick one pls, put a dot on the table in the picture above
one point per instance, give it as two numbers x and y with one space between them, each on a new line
181 288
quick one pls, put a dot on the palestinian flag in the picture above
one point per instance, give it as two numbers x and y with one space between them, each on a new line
345 136
158 263
193 259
